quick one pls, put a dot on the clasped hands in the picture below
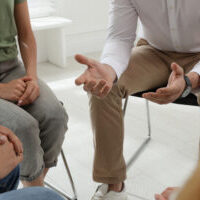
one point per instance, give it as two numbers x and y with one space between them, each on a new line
23 91
98 80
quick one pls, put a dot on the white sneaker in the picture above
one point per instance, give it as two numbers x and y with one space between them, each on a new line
103 194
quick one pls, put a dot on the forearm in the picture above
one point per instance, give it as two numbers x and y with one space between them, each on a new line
195 79
29 53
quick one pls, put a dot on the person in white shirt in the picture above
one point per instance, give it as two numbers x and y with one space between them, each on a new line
168 58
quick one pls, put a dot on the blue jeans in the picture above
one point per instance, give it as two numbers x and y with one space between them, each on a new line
10 182
32 193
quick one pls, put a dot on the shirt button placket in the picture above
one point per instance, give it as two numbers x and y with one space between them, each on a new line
171 4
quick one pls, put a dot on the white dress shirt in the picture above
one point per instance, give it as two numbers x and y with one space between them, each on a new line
171 25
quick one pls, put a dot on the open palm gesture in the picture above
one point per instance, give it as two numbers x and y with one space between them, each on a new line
98 78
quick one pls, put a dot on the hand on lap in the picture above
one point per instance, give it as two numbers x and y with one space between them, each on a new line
7 135
31 93
11 151
13 90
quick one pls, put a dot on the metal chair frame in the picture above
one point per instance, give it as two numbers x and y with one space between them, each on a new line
70 178
189 100
146 141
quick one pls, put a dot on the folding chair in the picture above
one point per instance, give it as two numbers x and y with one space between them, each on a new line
191 100
70 178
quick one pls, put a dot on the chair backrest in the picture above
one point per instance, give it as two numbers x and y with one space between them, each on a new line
191 99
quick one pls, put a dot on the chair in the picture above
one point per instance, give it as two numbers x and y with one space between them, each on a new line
191 100
70 178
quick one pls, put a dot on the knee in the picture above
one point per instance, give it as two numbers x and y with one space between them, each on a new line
57 116
115 95
26 127
27 130
139 54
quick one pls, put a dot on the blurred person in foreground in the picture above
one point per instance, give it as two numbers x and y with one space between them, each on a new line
27 105
11 152
190 191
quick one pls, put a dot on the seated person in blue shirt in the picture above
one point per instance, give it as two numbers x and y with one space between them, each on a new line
11 152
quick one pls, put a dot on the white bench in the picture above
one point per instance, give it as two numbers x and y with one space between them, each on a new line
54 36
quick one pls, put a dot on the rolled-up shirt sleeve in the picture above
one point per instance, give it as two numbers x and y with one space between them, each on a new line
196 68
122 27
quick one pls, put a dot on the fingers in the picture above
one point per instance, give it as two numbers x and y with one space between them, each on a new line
163 95
156 98
21 87
177 69
81 79
168 192
13 139
21 83
85 60
17 144
159 197
16 160
89 86
169 91
19 158
99 88
26 78
18 94
3 139
33 96
24 99
105 91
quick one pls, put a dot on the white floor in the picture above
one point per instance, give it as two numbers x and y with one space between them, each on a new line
167 161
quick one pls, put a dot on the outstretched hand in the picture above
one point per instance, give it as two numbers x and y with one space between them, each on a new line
175 87
97 79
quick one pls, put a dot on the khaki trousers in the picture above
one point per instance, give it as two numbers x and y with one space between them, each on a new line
148 68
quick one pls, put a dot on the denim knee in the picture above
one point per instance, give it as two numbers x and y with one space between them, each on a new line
11 181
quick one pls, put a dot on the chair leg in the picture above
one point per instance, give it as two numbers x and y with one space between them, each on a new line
148 118
70 178
125 105
146 141
69 174
58 191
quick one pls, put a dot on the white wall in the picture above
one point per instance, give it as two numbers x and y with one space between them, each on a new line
88 30
87 15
